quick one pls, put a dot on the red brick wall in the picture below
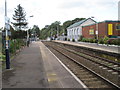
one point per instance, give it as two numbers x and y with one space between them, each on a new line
115 32
85 31
102 30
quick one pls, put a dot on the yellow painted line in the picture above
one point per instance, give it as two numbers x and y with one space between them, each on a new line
52 77
51 74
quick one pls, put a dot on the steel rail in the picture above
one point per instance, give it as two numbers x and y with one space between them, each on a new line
114 85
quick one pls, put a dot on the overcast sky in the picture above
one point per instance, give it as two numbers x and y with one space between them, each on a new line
46 12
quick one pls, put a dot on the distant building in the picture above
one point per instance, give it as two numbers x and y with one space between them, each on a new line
75 30
105 28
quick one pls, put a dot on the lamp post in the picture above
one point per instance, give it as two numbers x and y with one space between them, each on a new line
28 41
7 27
96 32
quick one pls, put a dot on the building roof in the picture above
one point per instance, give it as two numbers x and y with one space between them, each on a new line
78 23
110 21
106 21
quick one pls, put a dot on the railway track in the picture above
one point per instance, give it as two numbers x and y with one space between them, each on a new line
113 58
91 70
112 65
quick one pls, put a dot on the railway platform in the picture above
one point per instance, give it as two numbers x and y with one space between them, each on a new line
105 48
37 67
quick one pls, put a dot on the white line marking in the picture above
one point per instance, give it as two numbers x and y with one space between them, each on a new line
77 79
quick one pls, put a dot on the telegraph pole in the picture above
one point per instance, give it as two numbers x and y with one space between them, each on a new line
7 27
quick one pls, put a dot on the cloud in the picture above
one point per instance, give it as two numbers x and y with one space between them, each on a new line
72 4
48 11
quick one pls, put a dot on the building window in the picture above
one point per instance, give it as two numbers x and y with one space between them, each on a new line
110 29
117 26
91 31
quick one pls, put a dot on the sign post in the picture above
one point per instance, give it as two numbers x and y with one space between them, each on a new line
7 27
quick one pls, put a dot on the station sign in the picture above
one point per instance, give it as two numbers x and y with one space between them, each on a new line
4 33
7 23
7 20
96 32
7 26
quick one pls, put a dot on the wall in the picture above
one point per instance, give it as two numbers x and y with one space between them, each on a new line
102 30
115 31
76 32
86 31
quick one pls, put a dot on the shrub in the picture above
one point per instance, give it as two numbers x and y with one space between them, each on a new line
116 42
83 40
80 38
16 44
2 57
12 46
65 39
73 40
92 40
101 41
105 40
68 39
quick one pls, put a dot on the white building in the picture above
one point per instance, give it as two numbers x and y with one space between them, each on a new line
74 31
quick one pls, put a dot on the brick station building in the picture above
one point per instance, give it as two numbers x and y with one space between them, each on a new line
105 28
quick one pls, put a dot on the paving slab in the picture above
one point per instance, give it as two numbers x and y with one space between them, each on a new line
27 70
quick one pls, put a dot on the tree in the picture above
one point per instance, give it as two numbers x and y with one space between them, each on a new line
19 17
66 24
77 20
34 32
55 28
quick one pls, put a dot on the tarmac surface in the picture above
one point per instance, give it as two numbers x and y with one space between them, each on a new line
27 70
36 67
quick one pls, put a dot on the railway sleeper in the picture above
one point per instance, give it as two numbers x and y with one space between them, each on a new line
88 79
101 86
94 84
110 75
85 76
113 77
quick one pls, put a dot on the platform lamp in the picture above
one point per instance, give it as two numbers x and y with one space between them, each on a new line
7 28
28 32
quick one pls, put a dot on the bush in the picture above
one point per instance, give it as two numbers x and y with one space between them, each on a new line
65 39
92 40
12 46
68 39
16 44
2 57
105 40
80 39
101 41
116 42
83 40
73 40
